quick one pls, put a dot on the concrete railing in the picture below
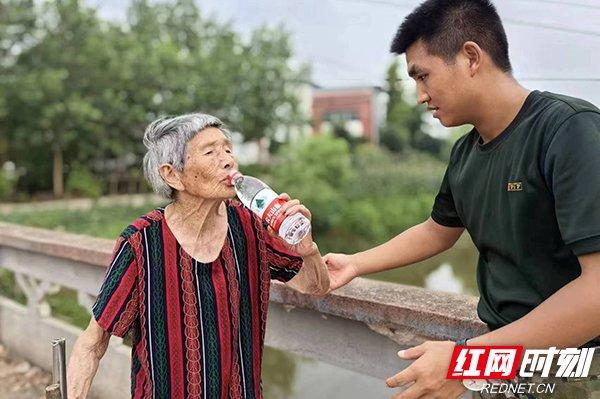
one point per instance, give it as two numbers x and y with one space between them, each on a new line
359 327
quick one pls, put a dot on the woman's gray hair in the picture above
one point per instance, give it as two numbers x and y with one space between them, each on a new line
166 140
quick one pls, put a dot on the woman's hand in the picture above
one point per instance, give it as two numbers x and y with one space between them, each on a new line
306 247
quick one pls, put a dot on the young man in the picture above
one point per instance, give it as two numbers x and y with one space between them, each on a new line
525 183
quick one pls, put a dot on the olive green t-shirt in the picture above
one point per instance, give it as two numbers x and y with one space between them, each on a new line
530 199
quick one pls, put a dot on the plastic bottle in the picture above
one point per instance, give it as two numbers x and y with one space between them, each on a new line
263 201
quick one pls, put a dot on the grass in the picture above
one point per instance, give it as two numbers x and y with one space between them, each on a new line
104 222
100 221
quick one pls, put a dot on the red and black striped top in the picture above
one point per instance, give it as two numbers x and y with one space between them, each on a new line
197 328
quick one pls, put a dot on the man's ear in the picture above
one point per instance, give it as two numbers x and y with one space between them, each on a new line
473 54
171 176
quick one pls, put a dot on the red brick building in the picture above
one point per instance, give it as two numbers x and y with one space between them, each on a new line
360 110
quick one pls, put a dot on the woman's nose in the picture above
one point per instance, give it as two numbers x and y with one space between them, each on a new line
227 160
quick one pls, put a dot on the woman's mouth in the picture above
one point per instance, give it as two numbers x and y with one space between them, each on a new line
227 182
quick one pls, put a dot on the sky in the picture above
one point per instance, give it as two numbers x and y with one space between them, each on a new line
554 44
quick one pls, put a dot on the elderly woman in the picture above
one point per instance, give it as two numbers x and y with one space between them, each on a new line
191 280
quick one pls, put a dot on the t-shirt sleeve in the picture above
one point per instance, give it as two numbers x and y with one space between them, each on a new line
283 264
444 210
116 306
572 172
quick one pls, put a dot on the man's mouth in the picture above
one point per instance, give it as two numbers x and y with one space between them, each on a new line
434 110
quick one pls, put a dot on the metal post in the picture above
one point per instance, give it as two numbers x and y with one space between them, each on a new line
53 391
59 367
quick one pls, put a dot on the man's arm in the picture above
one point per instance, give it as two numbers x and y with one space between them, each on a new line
85 358
418 243
569 318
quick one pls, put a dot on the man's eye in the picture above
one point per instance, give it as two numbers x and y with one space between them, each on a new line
208 153
228 151
421 77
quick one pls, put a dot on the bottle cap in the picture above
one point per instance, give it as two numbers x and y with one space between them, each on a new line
233 176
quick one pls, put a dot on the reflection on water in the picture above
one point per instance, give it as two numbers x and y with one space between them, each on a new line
302 378
278 373
287 376
444 279
445 272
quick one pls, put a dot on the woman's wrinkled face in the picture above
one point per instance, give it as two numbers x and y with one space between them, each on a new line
209 159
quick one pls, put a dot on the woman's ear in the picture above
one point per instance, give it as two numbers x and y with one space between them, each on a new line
171 176
474 56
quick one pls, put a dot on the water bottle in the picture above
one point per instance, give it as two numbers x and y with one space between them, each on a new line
263 201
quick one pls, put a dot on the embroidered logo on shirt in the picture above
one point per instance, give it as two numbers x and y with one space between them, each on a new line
515 186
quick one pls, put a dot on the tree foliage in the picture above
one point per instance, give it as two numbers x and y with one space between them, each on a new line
78 90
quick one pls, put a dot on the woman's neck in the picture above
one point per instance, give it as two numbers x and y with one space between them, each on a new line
195 218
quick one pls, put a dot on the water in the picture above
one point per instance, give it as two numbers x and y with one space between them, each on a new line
293 377
286 375
450 271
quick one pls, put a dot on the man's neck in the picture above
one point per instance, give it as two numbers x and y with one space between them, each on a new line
499 107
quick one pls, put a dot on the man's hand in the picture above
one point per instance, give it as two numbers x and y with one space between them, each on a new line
342 269
427 372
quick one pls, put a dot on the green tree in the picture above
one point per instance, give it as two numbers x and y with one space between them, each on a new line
403 128
401 119
81 90
17 28
49 91
318 170
267 87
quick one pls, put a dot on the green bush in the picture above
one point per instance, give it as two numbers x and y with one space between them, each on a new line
6 186
318 171
357 199
81 182
380 174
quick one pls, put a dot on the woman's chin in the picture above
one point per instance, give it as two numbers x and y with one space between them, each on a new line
231 193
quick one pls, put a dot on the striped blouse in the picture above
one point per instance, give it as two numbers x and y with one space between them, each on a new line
197 328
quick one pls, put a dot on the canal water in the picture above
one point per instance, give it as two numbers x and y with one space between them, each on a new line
288 376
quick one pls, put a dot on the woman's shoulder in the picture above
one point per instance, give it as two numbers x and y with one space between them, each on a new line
143 222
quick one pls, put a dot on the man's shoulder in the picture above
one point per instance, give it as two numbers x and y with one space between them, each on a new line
143 222
554 110
567 105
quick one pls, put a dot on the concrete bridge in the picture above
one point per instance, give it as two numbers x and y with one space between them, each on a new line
359 327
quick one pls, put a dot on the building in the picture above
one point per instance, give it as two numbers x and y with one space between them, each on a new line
360 110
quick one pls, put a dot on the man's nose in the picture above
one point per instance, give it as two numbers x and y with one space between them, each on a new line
422 97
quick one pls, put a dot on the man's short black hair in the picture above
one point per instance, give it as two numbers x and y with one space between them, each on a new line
445 25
